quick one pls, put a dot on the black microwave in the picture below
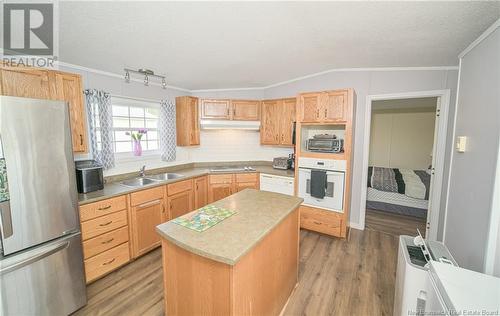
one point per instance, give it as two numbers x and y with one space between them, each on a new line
326 145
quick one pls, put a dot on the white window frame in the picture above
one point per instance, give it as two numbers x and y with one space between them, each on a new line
137 102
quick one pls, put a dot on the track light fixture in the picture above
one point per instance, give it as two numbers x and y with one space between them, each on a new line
147 73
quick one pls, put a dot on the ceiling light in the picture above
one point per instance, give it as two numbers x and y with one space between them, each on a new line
163 83
127 76
146 80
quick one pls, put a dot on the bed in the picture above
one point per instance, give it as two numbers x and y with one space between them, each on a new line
400 191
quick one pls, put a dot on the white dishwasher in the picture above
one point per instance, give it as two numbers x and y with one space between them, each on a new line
279 184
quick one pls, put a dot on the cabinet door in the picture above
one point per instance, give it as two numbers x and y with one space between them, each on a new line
145 218
200 192
287 119
245 110
246 185
187 124
69 89
26 83
310 107
217 191
269 129
180 204
334 106
215 109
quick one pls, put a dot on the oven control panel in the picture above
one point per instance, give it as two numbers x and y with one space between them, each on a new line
326 164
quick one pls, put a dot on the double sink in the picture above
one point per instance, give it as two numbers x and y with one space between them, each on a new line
146 180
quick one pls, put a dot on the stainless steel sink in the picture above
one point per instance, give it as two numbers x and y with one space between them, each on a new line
137 182
164 176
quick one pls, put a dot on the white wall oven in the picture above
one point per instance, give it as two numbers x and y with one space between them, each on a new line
321 183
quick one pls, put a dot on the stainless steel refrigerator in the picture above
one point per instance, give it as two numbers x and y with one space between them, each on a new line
41 260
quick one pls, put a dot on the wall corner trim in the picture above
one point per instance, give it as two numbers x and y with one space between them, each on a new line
481 37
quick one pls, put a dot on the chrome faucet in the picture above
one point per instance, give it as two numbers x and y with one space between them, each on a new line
142 171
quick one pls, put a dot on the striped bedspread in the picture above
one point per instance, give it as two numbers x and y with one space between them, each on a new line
413 183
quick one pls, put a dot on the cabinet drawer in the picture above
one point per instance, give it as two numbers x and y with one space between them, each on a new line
246 177
103 224
106 261
180 186
325 222
220 178
148 195
104 207
104 242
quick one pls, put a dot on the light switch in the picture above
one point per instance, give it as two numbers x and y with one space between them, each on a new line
461 143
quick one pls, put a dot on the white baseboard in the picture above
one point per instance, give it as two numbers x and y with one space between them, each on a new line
357 226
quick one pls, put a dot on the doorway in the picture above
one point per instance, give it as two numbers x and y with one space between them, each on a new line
403 162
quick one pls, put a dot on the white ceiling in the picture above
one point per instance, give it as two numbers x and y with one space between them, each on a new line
203 45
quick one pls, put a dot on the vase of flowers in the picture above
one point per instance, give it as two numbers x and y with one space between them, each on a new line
136 139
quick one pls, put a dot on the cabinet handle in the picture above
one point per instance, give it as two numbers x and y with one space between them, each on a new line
317 223
234 112
81 139
109 262
106 224
104 208
227 111
326 112
196 186
107 241
317 113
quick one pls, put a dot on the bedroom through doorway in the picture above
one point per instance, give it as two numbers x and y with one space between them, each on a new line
401 148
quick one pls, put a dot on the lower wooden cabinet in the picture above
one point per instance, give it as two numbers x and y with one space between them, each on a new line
147 212
224 185
322 221
200 192
180 198
105 235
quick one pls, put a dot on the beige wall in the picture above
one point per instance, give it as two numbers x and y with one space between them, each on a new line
402 138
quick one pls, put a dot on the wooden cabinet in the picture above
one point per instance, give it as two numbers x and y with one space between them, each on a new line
323 107
180 198
51 85
215 109
147 212
269 129
105 236
224 185
69 88
26 83
245 110
187 123
200 192
277 119
224 109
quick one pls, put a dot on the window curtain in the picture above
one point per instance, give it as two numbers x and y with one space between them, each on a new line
99 114
166 130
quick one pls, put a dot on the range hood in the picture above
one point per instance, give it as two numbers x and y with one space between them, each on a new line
229 124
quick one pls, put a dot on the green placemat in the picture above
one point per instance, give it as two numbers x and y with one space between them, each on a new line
204 218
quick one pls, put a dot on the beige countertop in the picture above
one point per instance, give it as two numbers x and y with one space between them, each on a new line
258 213
113 189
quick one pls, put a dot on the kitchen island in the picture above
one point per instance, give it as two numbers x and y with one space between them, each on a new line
244 265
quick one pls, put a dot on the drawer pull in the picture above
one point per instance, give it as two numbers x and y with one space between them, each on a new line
109 262
107 241
104 208
106 224
316 222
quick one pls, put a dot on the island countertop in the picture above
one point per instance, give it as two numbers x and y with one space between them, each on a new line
258 212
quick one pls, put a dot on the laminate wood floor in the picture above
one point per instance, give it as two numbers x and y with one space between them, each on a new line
336 277
394 224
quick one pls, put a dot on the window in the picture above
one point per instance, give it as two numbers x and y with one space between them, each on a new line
130 116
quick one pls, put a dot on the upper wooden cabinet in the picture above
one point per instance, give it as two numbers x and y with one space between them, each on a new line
26 83
245 110
224 109
277 121
215 109
187 123
323 107
51 85
69 88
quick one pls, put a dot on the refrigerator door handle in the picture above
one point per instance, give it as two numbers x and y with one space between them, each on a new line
4 269
6 219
